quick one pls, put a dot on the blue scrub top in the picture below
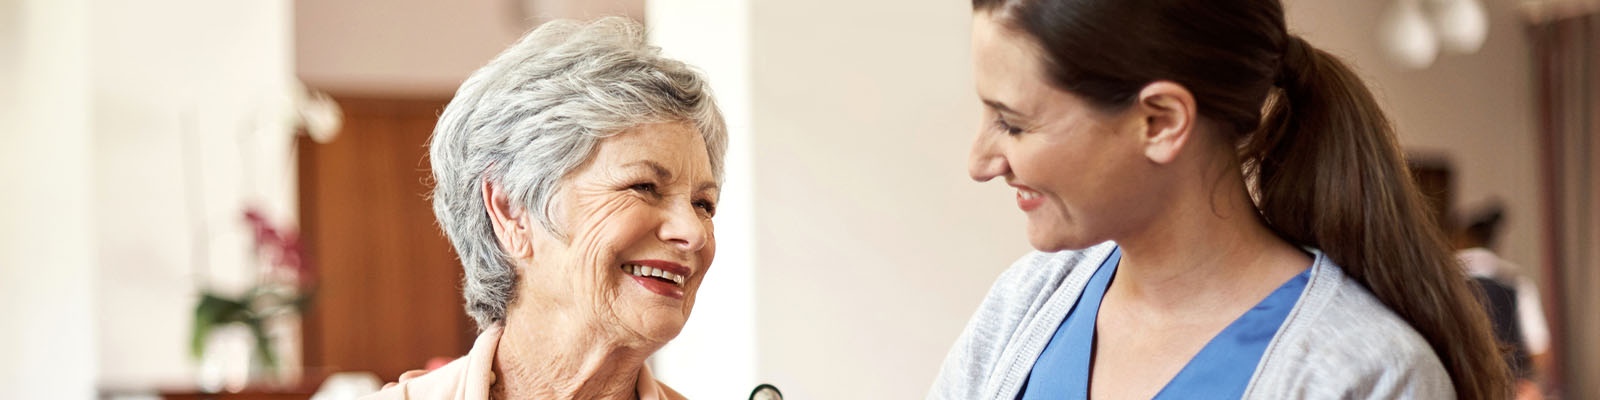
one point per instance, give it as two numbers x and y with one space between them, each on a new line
1221 370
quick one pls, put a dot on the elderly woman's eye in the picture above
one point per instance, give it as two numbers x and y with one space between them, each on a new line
645 187
707 206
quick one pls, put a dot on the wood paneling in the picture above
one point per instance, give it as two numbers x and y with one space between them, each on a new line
389 284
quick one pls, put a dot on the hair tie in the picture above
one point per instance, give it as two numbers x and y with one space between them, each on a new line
1294 54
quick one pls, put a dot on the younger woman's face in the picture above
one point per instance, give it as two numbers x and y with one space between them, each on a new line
1078 170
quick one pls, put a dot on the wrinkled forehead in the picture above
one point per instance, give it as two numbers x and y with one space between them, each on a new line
672 150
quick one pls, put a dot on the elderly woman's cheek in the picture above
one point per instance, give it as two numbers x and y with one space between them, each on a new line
709 253
597 209
604 219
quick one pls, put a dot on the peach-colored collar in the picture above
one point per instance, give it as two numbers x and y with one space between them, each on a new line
469 377
649 388
480 364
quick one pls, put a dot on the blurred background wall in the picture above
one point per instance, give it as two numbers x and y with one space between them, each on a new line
47 260
716 356
852 246
1475 109
136 136
411 48
865 216
191 126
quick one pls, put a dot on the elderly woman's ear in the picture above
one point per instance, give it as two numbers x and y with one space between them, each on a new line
510 221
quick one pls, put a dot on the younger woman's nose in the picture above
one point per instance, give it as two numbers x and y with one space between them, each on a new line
986 162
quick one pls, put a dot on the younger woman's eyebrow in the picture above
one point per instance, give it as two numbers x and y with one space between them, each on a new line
1002 108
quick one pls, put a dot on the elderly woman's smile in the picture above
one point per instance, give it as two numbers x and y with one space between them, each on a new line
662 277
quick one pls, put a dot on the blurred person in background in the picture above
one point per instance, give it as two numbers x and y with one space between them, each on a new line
576 176
1517 312
1222 211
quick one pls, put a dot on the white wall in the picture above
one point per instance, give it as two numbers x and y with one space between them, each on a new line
715 355
134 134
47 253
191 125
405 47
873 246
419 48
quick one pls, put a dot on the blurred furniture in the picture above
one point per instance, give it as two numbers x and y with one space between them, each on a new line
302 391
294 394
389 284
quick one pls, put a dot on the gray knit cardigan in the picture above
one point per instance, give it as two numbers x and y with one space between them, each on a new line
1338 342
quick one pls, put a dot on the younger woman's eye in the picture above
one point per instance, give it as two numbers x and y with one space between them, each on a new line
1003 126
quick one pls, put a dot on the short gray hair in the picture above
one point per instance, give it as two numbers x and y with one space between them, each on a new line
535 113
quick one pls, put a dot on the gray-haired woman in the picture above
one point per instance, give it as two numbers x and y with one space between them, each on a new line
577 174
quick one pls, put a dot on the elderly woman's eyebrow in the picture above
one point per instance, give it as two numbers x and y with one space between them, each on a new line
661 172
665 174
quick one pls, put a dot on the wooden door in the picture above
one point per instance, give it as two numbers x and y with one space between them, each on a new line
389 284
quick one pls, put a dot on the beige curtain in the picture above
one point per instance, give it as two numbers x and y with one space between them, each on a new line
1566 47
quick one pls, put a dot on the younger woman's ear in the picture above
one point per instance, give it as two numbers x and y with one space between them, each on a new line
510 221
1169 114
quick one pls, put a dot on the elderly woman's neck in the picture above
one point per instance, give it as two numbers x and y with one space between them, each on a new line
532 363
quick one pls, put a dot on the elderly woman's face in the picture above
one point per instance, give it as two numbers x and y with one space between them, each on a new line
639 237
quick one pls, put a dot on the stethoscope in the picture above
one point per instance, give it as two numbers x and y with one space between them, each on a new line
766 392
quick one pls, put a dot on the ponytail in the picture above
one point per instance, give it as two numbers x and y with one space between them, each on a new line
1329 173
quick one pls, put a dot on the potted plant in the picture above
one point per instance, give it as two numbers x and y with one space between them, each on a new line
283 289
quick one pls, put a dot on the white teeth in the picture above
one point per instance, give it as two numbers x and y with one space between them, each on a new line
640 270
1027 194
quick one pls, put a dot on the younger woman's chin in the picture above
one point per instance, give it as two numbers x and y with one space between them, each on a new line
1050 242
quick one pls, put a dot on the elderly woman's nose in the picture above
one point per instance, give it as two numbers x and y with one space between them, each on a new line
684 229
986 163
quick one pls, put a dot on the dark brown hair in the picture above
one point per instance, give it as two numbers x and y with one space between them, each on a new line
1323 160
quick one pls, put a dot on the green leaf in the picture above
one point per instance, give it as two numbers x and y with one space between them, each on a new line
211 312
263 344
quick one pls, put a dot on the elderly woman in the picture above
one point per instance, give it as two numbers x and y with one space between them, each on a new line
577 175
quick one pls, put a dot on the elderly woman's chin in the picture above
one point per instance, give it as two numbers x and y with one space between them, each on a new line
653 308
653 317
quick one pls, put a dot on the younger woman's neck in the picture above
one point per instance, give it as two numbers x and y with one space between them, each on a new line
548 360
1206 246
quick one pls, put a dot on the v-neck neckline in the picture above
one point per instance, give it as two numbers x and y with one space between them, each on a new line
1243 341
